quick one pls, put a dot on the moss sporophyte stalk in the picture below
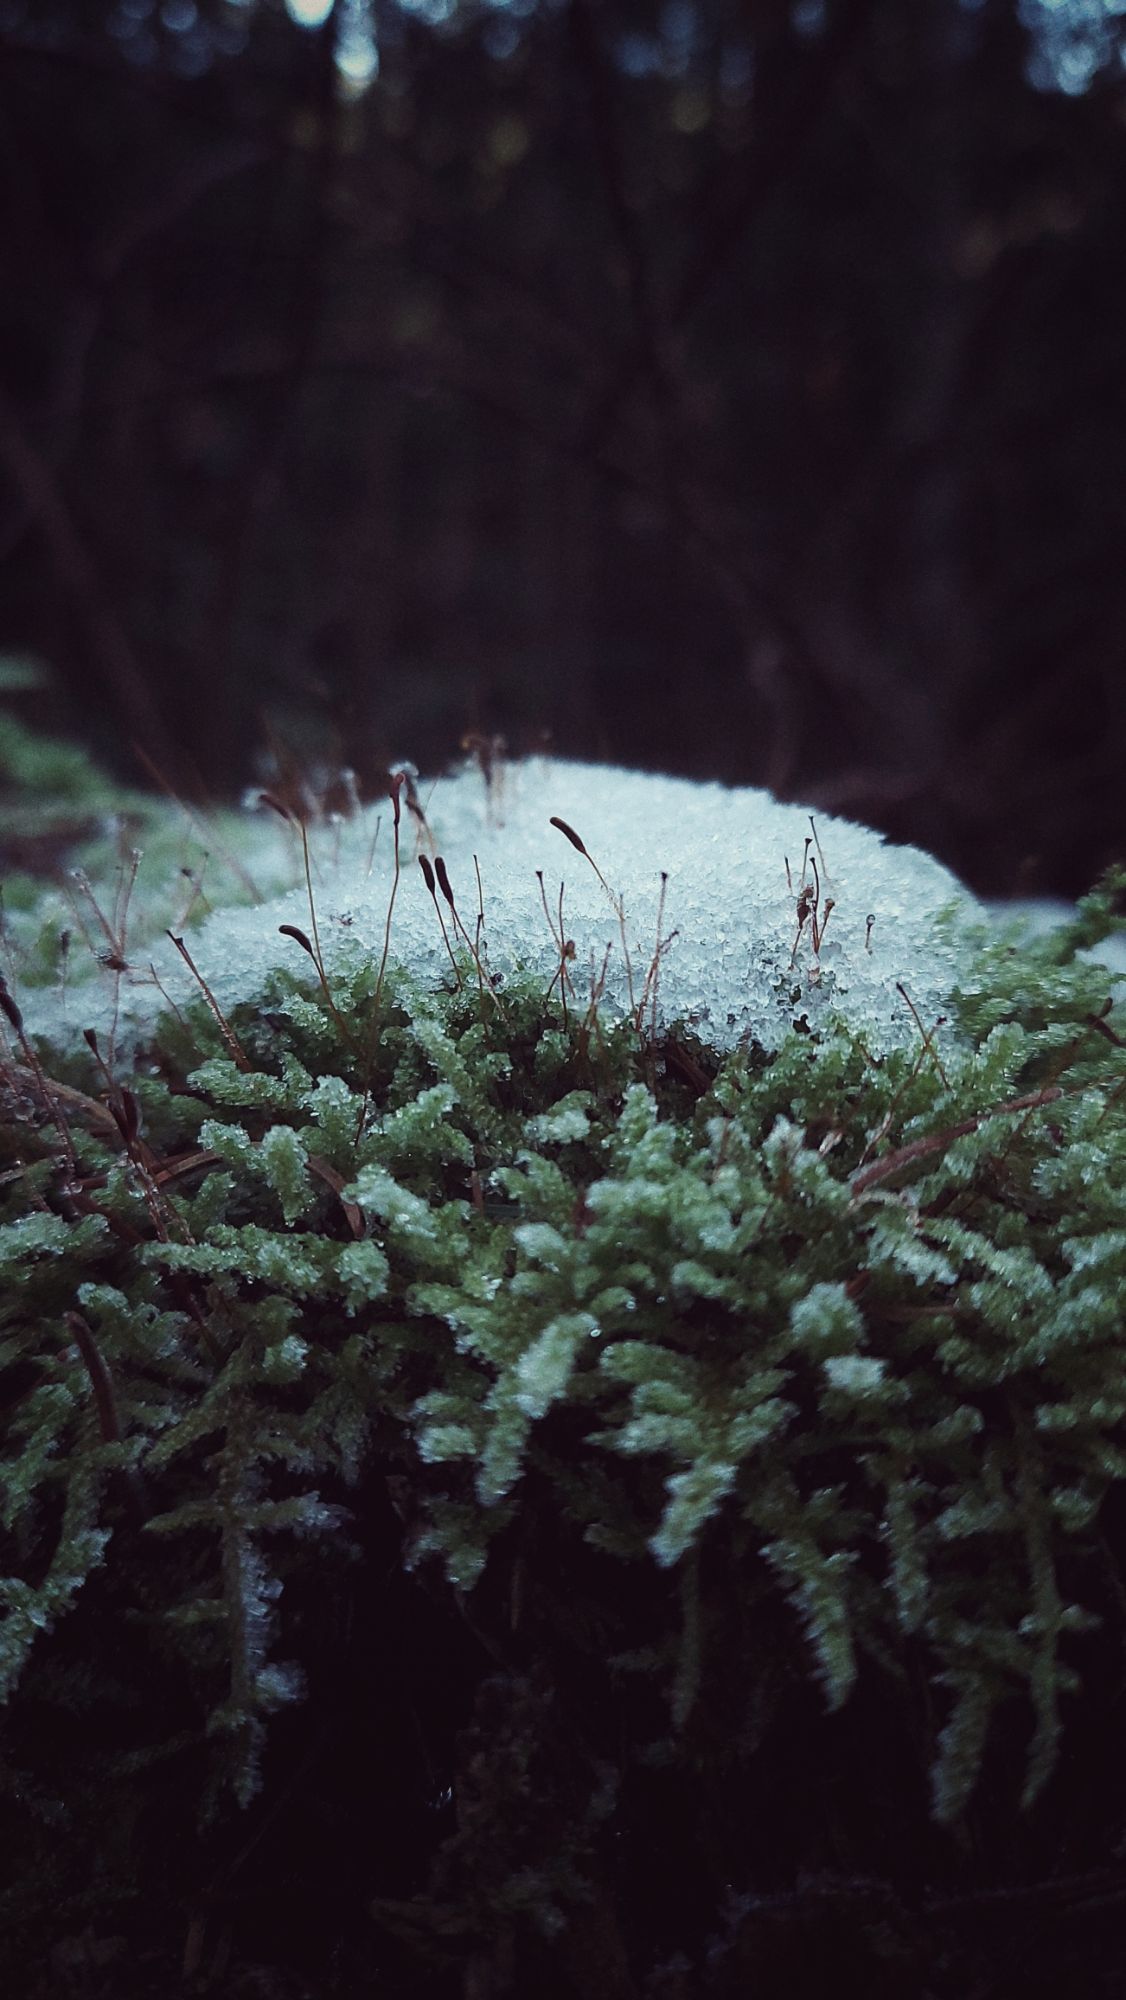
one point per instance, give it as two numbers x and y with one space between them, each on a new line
705 1229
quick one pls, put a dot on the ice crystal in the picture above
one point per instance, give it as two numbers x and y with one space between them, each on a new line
698 903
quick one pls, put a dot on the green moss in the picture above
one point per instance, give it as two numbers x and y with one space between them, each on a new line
837 1342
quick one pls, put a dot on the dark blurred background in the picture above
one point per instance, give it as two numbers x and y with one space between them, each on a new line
736 387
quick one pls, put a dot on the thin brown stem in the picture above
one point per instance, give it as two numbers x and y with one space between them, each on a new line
937 1142
238 1053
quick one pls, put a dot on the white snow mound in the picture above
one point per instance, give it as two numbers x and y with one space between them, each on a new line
734 961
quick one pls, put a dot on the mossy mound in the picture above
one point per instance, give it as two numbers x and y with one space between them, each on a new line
496 1500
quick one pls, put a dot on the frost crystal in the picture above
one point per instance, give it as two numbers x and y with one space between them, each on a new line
858 1373
745 949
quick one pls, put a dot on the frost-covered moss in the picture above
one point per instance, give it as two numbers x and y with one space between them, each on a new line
711 1372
